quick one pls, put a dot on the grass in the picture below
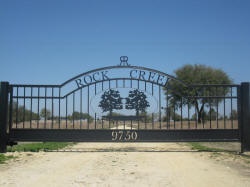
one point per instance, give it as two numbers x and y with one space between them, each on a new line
36 147
33 147
222 154
4 158
199 147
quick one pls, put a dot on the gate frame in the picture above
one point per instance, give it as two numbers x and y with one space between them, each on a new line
4 95
243 118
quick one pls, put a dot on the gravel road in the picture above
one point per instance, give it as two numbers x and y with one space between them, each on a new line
127 164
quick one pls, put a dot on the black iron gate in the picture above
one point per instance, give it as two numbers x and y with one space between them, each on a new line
124 103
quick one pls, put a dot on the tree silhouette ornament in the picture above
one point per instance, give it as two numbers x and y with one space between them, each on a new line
110 100
137 100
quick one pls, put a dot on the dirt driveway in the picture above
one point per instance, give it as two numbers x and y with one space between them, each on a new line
130 164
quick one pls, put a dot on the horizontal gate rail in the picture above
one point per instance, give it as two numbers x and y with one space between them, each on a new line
215 135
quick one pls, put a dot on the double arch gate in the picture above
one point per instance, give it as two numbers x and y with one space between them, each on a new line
124 103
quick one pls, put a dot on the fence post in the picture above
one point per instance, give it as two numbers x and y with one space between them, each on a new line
245 116
4 86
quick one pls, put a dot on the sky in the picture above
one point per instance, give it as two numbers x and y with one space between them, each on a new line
51 41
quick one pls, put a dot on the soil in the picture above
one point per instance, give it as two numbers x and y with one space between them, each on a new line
126 164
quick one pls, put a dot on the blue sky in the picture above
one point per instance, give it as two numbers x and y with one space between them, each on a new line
51 41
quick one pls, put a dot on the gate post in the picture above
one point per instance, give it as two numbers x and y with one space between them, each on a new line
4 86
245 116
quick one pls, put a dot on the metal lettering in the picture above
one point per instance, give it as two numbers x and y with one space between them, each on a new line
161 80
96 76
104 75
141 75
86 80
79 83
151 76
133 72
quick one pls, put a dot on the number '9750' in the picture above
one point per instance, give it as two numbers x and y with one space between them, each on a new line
124 135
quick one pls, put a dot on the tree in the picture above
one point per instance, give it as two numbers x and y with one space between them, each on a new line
137 100
45 113
197 74
110 100
234 115
80 116
20 114
171 114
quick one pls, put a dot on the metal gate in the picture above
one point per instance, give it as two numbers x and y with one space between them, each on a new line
124 103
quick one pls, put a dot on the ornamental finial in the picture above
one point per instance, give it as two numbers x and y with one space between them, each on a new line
124 61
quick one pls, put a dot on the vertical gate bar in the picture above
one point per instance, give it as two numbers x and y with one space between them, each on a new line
95 120
245 116
73 115
102 86
202 115
231 99
116 83
24 106
145 118
123 83
131 83
88 105
138 84
59 106
152 120
95 88
152 88
210 113
81 109
17 106
102 123
224 102
66 112
4 91
109 84
145 86
138 122
10 108
45 119
217 113
38 103
188 115
217 109
181 112
174 117
195 118
31 95
159 87
109 123
52 100
166 110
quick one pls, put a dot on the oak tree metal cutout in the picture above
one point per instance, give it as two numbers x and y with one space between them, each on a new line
136 100
111 100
